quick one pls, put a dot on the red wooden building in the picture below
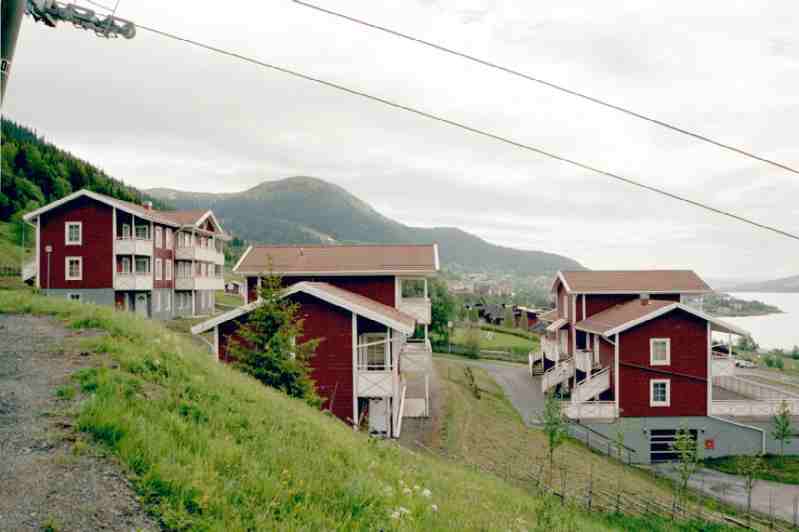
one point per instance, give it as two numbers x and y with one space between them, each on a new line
97 249
623 344
369 304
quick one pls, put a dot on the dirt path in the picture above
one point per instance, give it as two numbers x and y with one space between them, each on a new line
48 478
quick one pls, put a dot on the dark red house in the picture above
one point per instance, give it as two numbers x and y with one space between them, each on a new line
623 344
97 249
369 304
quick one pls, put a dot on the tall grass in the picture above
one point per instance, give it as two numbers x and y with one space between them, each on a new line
208 448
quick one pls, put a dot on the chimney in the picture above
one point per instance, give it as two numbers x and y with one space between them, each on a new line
644 299
148 205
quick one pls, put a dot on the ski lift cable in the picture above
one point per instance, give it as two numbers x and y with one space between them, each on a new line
471 129
550 84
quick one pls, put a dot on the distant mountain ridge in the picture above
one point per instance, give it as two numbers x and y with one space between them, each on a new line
307 210
785 284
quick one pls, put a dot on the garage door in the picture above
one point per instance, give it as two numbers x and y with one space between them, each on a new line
661 444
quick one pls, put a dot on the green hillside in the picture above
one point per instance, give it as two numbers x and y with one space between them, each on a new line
208 448
35 172
306 210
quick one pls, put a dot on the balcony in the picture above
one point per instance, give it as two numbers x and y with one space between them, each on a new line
584 360
418 307
198 253
199 283
549 348
133 246
133 281
590 410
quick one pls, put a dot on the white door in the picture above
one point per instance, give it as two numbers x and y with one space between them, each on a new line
141 304
378 416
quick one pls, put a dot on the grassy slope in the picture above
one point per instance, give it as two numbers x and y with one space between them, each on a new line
210 449
10 253
489 434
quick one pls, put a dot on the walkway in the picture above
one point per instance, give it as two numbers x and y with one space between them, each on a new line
766 495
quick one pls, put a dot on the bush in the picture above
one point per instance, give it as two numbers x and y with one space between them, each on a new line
472 342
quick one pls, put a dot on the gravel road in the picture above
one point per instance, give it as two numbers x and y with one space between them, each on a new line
44 480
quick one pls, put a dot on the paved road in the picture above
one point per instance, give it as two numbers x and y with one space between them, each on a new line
730 488
523 391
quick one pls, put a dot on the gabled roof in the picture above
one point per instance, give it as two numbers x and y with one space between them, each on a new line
619 318
171 218
550 315
360 305
632 282
557 324
407 259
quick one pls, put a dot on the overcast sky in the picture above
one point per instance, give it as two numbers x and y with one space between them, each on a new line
155 112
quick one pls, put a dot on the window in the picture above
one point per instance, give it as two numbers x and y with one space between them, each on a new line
159 269
143 232
124 265
125 231
374 353
73 233
660 351
74 269
156 301
159 237
168 275
169 238
74 297
142 265
659 392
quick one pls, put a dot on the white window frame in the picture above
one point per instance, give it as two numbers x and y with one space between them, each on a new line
156 301
126 232
159 269
168 272
67 226
652 361
123 261
168 237
159 237
168 302
363 355
67 276
652 401
71 297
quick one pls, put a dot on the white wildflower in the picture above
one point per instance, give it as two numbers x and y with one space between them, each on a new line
403 510
395 515
416 487
434 507
406 491
426 493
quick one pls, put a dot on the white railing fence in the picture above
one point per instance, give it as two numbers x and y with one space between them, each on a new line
557 374
753 408
589 388
590 410
755 390
584 360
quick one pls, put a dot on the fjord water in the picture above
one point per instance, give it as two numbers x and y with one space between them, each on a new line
773 330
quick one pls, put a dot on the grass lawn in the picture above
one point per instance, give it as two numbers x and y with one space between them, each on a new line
787 472
208 448
491 340
232 300
488 434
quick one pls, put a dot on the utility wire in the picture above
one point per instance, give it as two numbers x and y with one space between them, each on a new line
471 129
551 85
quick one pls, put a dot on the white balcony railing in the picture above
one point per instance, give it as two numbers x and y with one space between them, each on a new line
200 253
133 246
723 366
418 307
589 388
199 283
557 374
590 410
753 407
133 281
377 383
584 360
550 348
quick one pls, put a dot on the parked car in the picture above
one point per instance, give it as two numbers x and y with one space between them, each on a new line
740 363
